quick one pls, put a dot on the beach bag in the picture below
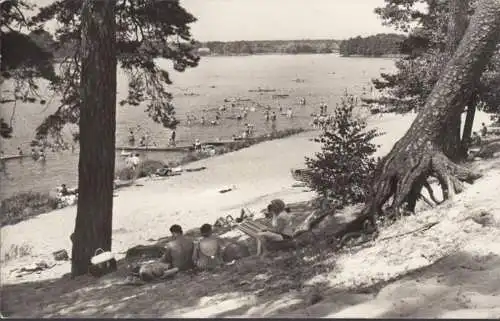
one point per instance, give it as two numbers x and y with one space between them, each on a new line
103 262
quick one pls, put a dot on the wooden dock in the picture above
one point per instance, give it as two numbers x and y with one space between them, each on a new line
183 148
9 157
156 149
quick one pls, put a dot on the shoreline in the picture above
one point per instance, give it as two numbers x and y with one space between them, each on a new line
189 158
408 271
259 173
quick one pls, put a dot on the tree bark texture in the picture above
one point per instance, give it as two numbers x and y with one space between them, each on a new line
420 152
97 133
457 24
469 121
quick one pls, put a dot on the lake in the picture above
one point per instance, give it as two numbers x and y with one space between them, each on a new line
216 82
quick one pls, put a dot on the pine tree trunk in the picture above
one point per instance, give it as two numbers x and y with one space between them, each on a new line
420 152
97 133
457 24
469 121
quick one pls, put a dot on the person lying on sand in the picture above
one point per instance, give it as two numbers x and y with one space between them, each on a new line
164 171
282 228
207 254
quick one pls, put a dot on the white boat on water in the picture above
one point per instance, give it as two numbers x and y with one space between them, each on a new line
125 154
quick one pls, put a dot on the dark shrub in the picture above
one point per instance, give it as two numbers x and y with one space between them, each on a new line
25 205
342 170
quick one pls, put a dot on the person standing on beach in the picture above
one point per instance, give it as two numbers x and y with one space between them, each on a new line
484 130
135 161
197 144
131 138
41 156
172 138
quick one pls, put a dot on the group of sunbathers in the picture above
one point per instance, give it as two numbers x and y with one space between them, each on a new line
182 254
211 252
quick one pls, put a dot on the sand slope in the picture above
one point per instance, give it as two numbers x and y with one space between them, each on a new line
450 270
259 173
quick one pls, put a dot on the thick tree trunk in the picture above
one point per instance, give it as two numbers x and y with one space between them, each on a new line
457 24
420 152
97 133
469 121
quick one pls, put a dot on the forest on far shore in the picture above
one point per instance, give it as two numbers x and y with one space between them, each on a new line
383 44
377 45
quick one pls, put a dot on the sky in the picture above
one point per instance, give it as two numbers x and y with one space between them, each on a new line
228 20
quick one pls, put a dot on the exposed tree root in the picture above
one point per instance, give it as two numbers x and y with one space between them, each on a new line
404 177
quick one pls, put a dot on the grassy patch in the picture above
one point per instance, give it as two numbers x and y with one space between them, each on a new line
25 205
16 251
145 168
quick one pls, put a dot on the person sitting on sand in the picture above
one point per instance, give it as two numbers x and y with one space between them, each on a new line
207 254
281 222
64 190
178 252
475 139
177 257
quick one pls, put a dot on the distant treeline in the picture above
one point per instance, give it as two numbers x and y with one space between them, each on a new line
232 48
382 44
378 45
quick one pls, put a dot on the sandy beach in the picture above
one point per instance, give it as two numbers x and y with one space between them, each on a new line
259 174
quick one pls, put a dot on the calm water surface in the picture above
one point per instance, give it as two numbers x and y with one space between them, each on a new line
316 77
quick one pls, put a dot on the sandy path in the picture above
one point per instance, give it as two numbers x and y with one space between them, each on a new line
260 173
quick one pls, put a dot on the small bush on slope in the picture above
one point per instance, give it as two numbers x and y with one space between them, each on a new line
341 172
